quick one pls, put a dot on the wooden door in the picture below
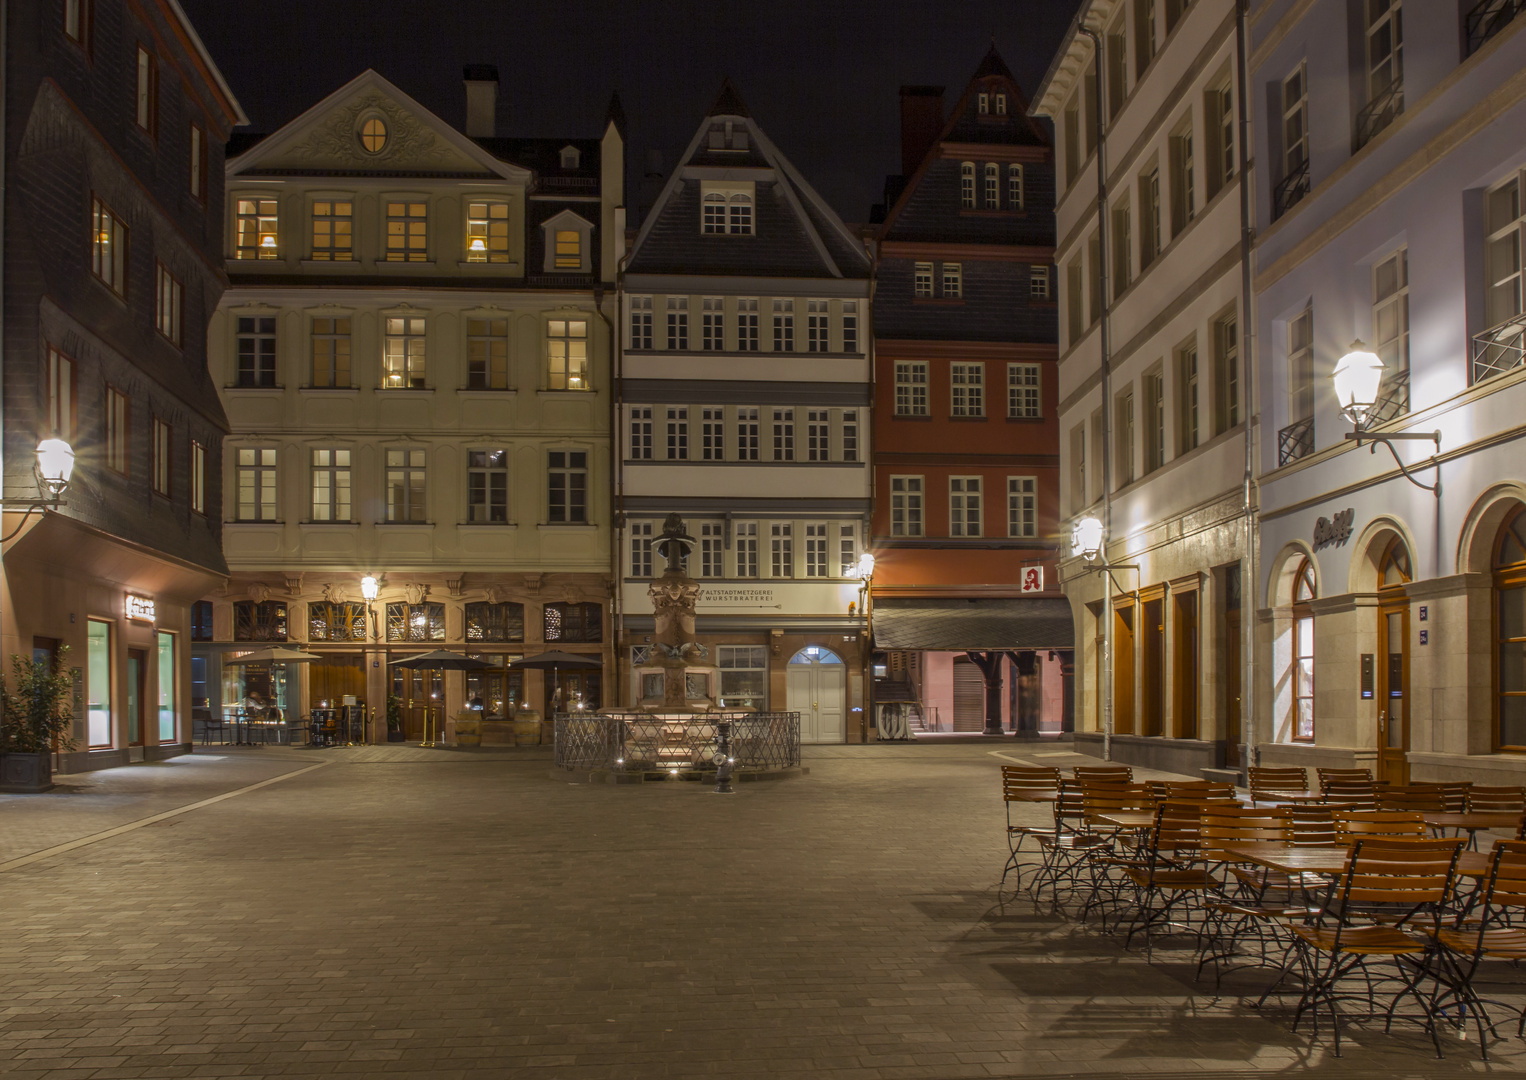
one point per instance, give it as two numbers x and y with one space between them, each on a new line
1152 676
1123 670
137 663
1184 694
420 690
1393 690
1232 733
334 677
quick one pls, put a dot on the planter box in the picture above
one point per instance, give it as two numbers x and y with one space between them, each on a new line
468 729
26 773
397 736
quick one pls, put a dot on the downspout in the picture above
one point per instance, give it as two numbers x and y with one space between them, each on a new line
617 456
1250 579
1105 341
866 652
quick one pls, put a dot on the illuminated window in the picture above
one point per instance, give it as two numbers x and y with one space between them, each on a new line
331 485
255 229
569 249
373 135
61 399
983 104
1304 593
567 354
256 474
336 622
406 476
503 621
116 430
147 111
487 232
487 354
1001 104
403 353
331 352
198 478
953 280
98 682
574 623
333 231
922 280
167 298
415 622
163 447
108 248
407 232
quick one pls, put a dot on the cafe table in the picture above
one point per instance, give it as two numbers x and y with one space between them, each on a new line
1292 858
1127 819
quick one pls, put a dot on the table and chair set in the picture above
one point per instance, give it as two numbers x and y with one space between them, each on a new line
1367 900
337 726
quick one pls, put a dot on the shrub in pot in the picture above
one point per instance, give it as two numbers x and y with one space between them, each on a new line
36 712
395 719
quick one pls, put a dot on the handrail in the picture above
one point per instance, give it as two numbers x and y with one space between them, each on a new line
1293 186
1379 112
1488 18
1393 398
1295 441
1499 348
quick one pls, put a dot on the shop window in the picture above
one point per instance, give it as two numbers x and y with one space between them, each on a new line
495 622
166 687
1304 592
1510 632
262 621
201 620
497 690
98 682
574 623
744 676
415 622
336 622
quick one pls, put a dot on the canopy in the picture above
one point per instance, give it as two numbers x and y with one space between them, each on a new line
274 655
442 660
555 660
973 625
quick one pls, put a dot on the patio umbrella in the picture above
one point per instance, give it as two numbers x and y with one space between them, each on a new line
554 661
442 660
275 655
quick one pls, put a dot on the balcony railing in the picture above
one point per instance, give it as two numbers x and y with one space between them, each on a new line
1379 113
1488 18
1295 441
1294 186
1499 348
1393 397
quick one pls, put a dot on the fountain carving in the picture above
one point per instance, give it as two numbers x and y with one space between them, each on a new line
678 675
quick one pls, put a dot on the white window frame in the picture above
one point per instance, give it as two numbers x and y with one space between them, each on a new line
965 510
907 506
911 390
1025 392
967 390
1022 507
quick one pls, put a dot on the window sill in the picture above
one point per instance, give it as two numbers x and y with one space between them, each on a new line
966 211
402 524
403 264
487 391
488 267
253 389
562 393
912 416
406 391
1025 419
939 301
559 526
968 419
487 525
236 523
241 264
329 264
328 524
330 391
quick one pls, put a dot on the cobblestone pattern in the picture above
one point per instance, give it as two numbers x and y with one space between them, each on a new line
414 914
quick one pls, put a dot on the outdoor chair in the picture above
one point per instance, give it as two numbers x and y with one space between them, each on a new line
1411 798
1408 881
1015 781
1172 875
1271 783
1104 861
1485 800
1454 796
1065 846
1351 794
1118 774
1327 775
1465 946
1313 825
1353 825
1191 789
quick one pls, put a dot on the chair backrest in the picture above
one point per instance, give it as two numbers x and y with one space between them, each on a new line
1024 778
1496 799
1356 824
1191 789
1411 798
1068 804
1505 887
1312 825
1178 825
1411 873
1121 774
1454 797
1225 826
1266 781
1352 794
1327 775
1107 798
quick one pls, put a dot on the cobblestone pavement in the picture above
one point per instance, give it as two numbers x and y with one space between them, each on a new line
398 912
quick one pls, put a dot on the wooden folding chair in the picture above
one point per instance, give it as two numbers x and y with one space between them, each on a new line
1411 798
1351 794
1172 873
1117 774
1067 844
1484 800
1313 825
1244 906
1017 780
1269 783
1353 825
1327 775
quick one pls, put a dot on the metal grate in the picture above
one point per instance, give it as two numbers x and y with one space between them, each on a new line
1295 441
1488 18
1393 398
1379 113
1294 186
642 742
1499 348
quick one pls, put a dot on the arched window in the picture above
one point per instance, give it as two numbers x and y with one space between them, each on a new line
715 212
967 185
993 185
1304 591
1394 566
741 213
815 654
1510 632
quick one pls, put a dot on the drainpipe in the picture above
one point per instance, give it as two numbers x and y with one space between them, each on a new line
1105 341
1250 577
617 461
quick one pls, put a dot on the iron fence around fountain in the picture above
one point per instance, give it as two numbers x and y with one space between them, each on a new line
643 742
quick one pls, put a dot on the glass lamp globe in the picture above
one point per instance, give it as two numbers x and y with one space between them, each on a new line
866 566
1086 538
1357 377
55 464
369 588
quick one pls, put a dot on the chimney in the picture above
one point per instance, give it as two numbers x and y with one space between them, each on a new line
921 124
481 100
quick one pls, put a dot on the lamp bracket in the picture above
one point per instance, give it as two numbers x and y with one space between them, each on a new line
25 509
1388 439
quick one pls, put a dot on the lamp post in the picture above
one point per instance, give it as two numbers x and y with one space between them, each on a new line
53 468
864 572
1087 539
1358 378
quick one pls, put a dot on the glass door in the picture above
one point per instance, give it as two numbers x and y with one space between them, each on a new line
420 690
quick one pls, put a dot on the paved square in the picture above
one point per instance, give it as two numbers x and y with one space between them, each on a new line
403 912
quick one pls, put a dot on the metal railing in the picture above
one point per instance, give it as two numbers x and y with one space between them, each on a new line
1499 348
646 742
1294 186
1393 398
1295 441
1379 113
1488 18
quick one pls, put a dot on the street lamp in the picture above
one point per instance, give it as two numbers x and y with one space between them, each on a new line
1358 378
864 572
54 467
1087 539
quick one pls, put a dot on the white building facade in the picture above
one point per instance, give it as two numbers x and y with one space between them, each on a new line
1389 617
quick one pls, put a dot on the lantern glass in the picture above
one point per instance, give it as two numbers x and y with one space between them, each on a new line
1086 538
55 464
866 566
1357 378
369 588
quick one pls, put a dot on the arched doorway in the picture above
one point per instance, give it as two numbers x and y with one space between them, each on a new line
816 681
1510 633
1393 663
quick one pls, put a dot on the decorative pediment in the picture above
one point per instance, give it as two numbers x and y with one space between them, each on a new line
369 125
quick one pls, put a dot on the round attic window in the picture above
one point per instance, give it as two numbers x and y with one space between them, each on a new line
373 135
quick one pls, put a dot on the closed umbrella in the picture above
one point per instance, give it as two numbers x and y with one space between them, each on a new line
442 660
554 661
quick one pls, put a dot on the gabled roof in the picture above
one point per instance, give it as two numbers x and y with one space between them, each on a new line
993 65
795 232
323 140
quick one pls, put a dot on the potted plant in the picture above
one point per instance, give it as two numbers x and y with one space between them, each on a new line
395 719
38 714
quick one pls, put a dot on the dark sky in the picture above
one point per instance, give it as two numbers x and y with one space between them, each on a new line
821 77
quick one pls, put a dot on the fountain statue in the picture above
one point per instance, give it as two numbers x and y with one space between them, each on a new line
678 674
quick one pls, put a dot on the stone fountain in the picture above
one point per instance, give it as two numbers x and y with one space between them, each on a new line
678 676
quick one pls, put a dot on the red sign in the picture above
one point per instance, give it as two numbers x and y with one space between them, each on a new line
1033 579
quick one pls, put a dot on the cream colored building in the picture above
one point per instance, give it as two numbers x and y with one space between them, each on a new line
1153 428
415 360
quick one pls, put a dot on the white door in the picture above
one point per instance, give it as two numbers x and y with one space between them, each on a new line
817 685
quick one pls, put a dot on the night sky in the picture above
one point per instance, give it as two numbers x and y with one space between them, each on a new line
820 77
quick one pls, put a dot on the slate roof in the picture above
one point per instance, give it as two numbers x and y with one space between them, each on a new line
792 227
980 624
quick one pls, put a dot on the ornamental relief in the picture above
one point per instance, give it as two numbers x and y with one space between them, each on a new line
333 141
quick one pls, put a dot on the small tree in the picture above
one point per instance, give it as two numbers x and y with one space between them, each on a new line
394 713
39 710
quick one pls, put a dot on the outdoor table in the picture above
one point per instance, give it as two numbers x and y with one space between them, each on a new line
1473 864
1292 859
1127 819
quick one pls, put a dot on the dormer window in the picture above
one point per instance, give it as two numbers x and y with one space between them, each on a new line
728 136
984 104
568 239
572 157
1001 104
726 208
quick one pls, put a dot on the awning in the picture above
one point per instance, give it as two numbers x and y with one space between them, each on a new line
960 625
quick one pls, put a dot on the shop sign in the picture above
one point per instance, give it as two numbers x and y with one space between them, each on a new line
755 597
1033 579
1330 532
140 608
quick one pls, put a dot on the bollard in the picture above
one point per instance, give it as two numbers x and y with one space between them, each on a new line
723 758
